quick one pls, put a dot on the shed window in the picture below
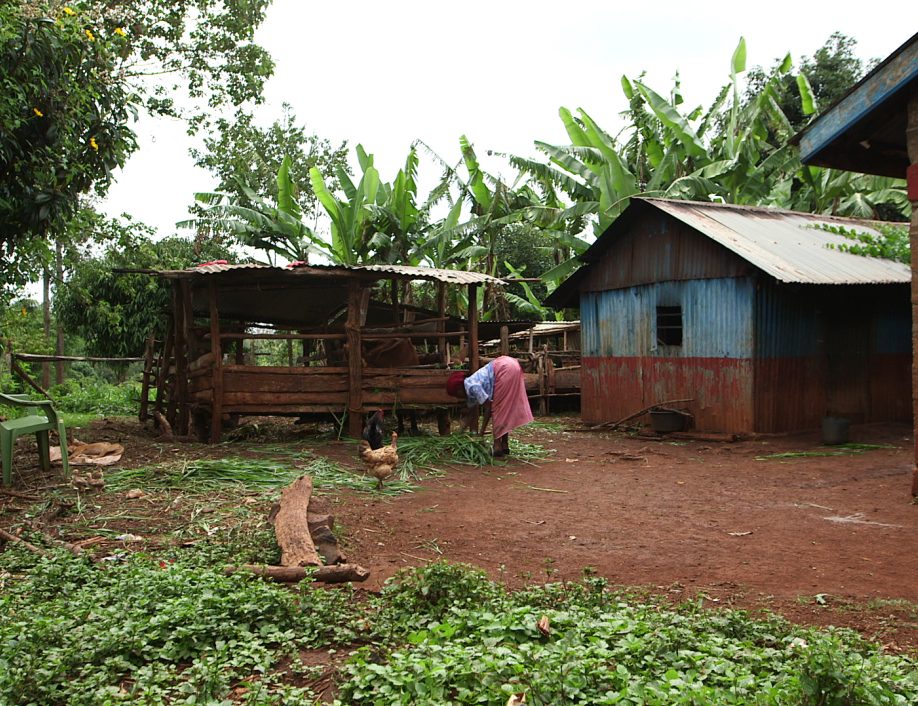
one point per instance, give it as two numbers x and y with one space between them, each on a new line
669 325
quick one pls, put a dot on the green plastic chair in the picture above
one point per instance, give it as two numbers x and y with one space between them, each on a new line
36 424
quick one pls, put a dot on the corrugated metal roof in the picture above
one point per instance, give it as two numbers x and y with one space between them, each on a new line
410 272
785 245
402 271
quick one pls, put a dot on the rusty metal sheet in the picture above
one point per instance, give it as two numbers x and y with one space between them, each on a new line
787 245
432 274
721 389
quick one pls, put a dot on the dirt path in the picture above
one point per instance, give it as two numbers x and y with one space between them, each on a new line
817 538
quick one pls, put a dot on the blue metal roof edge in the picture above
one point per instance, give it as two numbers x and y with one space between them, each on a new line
892 76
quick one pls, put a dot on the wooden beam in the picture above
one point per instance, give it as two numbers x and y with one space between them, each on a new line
505 340
441 324
216 410
473 328
911 139
354 360
178 353
145 382
183 356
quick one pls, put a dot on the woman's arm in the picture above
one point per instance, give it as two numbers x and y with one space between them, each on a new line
470 418
486 417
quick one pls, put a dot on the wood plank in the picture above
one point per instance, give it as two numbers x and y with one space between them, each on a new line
409 396
216 412
283 398
251 382
473 328
354 359
286 370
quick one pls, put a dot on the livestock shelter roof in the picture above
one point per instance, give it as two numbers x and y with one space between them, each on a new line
864 131
300 295
789 246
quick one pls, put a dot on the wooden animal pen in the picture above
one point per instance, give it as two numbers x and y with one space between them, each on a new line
549 352
203 378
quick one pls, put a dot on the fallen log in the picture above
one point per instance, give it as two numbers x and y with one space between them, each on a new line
17 494
55 542
291 525
13 538
339 573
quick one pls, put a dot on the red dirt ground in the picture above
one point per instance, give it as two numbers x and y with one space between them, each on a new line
822 540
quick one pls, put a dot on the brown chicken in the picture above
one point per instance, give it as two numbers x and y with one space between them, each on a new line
380 462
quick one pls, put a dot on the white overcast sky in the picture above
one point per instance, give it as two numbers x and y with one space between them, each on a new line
385 74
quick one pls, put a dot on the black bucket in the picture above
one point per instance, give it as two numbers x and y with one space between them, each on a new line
835 430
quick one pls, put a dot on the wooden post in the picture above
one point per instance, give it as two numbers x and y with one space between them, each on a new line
145 382
165 362
442 348
473 328
354 360
505 340
911 140
179 401
216 409
189 353
240 351
393 294
543 379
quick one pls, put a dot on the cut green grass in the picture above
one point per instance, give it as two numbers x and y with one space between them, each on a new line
212 475
430 453
840 450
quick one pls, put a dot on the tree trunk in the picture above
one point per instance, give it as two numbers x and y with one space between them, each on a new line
46 316
291 525
59 342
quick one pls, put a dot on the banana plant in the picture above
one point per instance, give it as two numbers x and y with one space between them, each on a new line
276 229
352 217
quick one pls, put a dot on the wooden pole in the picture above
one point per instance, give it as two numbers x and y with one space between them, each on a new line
441 324
473 327
145 382
20 371
505 340
911 139
354 360
59 330
216 410
178 403
165 362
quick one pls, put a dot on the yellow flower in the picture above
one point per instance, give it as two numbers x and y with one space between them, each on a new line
91 36
68 11
38 112
94 144
120 32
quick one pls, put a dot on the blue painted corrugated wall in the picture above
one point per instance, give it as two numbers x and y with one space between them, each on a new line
717 319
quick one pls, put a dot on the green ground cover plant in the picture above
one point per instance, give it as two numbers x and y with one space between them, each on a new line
147 631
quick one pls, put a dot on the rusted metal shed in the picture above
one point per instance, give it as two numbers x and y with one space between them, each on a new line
204 378
751 313
874 129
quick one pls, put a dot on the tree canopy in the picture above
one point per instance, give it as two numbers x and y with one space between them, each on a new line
73 77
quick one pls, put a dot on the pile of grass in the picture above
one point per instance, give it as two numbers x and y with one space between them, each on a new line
259 474
430 453
839 450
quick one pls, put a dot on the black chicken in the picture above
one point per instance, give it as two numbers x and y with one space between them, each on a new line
373 431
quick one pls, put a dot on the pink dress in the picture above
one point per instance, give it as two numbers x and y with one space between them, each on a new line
510 405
